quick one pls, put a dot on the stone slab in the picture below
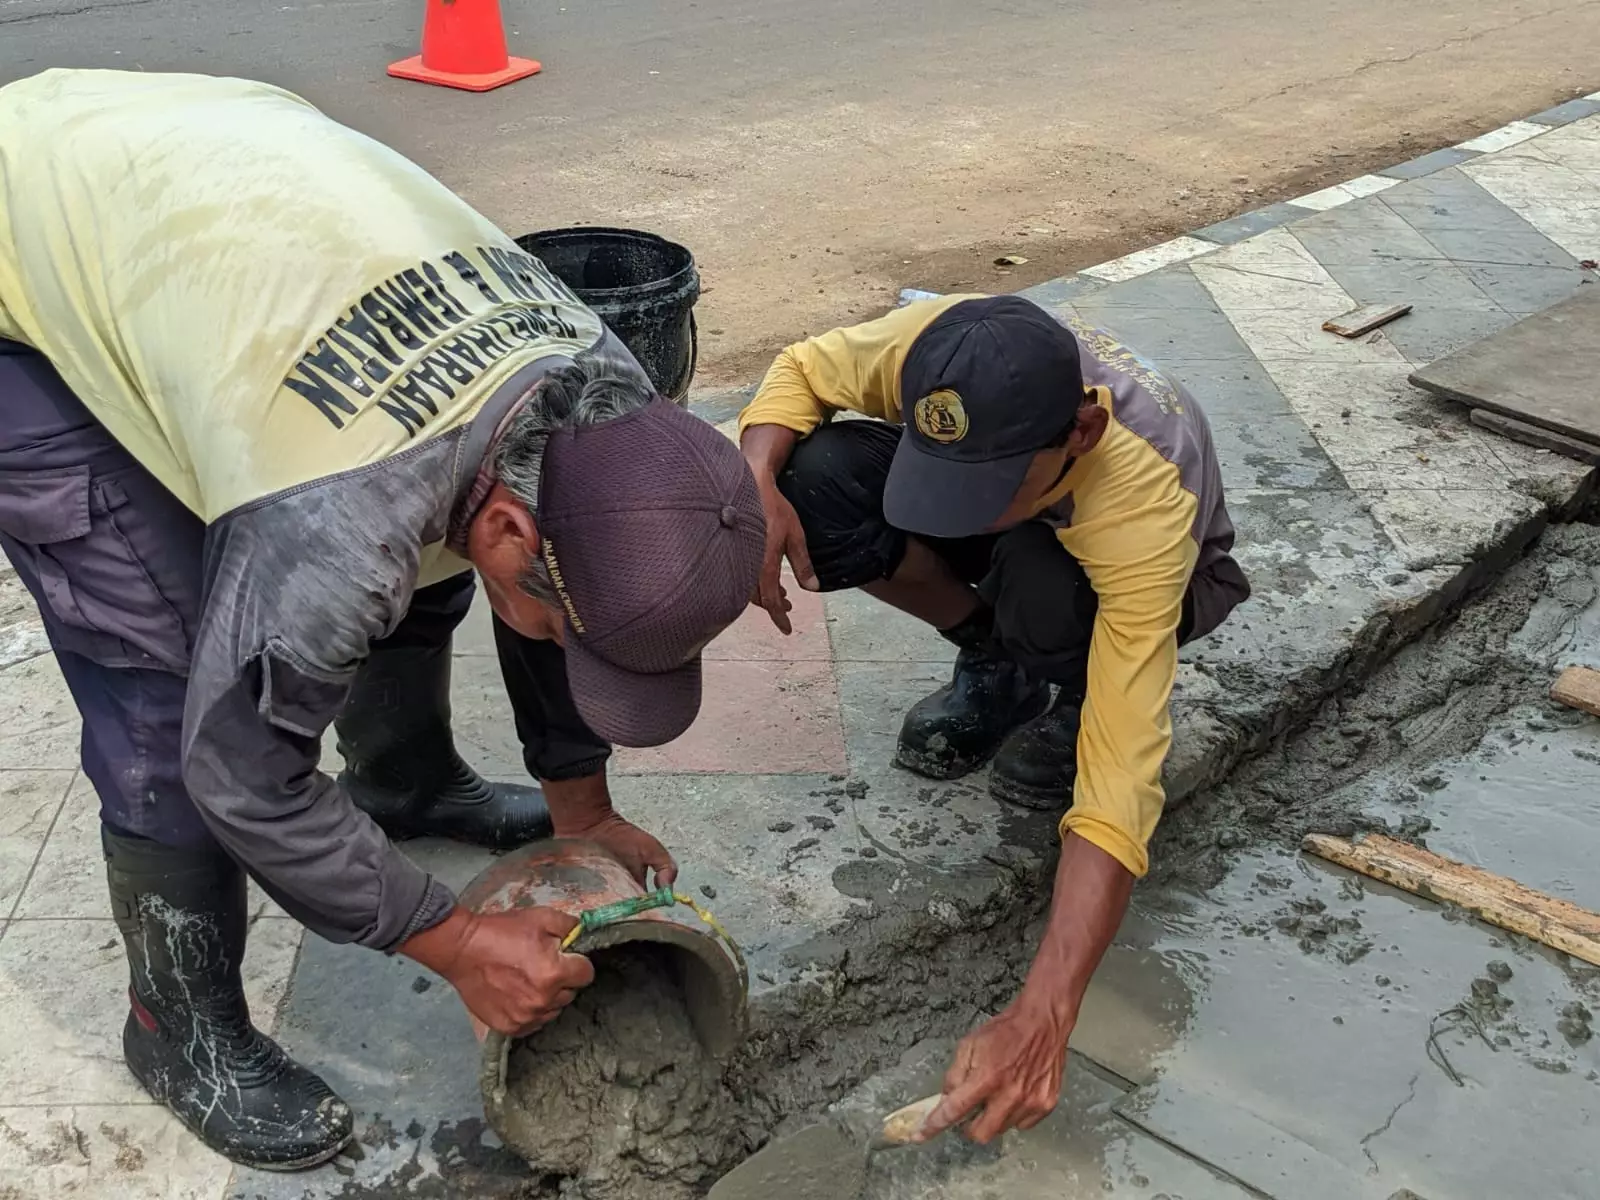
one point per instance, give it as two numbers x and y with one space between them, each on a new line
1250 1149
1427 164
1541 370
1565 114
1247 225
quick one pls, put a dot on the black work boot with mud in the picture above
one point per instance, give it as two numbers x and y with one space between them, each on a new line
1038 764
401 764
188 1040
957 729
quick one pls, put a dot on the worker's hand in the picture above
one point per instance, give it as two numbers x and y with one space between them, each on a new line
1010 1068
785 539
508 968
634 848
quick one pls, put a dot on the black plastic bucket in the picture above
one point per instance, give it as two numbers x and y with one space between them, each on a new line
641 285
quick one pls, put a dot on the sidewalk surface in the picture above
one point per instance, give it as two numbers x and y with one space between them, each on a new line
1214 1058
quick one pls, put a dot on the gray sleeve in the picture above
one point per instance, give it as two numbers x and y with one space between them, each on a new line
297 587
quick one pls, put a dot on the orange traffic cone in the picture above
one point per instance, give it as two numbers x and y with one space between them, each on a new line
464 46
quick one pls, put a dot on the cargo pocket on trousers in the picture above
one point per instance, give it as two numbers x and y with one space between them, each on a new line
296 696
102 602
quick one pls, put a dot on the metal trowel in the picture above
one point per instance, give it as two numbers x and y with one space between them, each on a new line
825 1161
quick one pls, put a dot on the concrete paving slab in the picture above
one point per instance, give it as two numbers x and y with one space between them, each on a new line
1429 333
1234 391
1247 225
1361 233
395 1042
38 721
756 718
69 877
126 1151
1503 138
1428 164
1542 370
1425 282
29 804
1241 1143
63 988
1526 289
1562 114
1270 452
1170 287
866 630
21 634
1275 1007
1141 262
1160 334
1082 1151
874 697
1369 419
1062 291
1450 199
1559 202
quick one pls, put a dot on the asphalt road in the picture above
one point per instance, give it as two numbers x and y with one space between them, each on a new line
817 155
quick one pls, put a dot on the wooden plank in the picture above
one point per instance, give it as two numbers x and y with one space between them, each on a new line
1541 371
1498 900
1532 435
1364 319
1578 687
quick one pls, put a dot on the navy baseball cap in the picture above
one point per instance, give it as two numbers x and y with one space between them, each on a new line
986 386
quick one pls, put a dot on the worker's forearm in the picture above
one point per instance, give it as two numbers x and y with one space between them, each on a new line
767 449
1091 895
577 805
439 948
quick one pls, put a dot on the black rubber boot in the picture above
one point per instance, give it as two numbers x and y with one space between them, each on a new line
957 729
1038 764
189 1040
401 764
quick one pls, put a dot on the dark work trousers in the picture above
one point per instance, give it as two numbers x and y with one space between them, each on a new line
1044 605
114 561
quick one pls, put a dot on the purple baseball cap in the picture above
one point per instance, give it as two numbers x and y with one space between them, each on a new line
653 532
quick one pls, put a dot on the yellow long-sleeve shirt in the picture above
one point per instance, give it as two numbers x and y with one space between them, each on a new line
1143 513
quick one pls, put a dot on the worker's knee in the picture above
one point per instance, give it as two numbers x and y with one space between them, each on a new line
1044 605
132 750
835 480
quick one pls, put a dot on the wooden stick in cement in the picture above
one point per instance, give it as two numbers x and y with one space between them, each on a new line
1578 687
1498 900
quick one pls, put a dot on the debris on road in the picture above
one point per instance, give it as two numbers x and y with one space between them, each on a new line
1364 319
1578 687
1494 898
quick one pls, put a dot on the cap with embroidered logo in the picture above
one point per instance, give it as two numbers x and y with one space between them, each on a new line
988 384
652 530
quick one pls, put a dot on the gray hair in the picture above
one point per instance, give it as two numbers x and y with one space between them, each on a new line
593 390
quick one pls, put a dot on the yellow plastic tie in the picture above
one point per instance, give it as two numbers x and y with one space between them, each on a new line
660 898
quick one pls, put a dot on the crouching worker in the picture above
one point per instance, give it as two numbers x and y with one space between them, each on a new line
1055 510
269 396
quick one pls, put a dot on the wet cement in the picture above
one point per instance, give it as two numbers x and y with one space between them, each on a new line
1267 1024
1374 756
617 1100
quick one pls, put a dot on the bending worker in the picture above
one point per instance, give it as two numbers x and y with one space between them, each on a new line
269 396
1054 509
